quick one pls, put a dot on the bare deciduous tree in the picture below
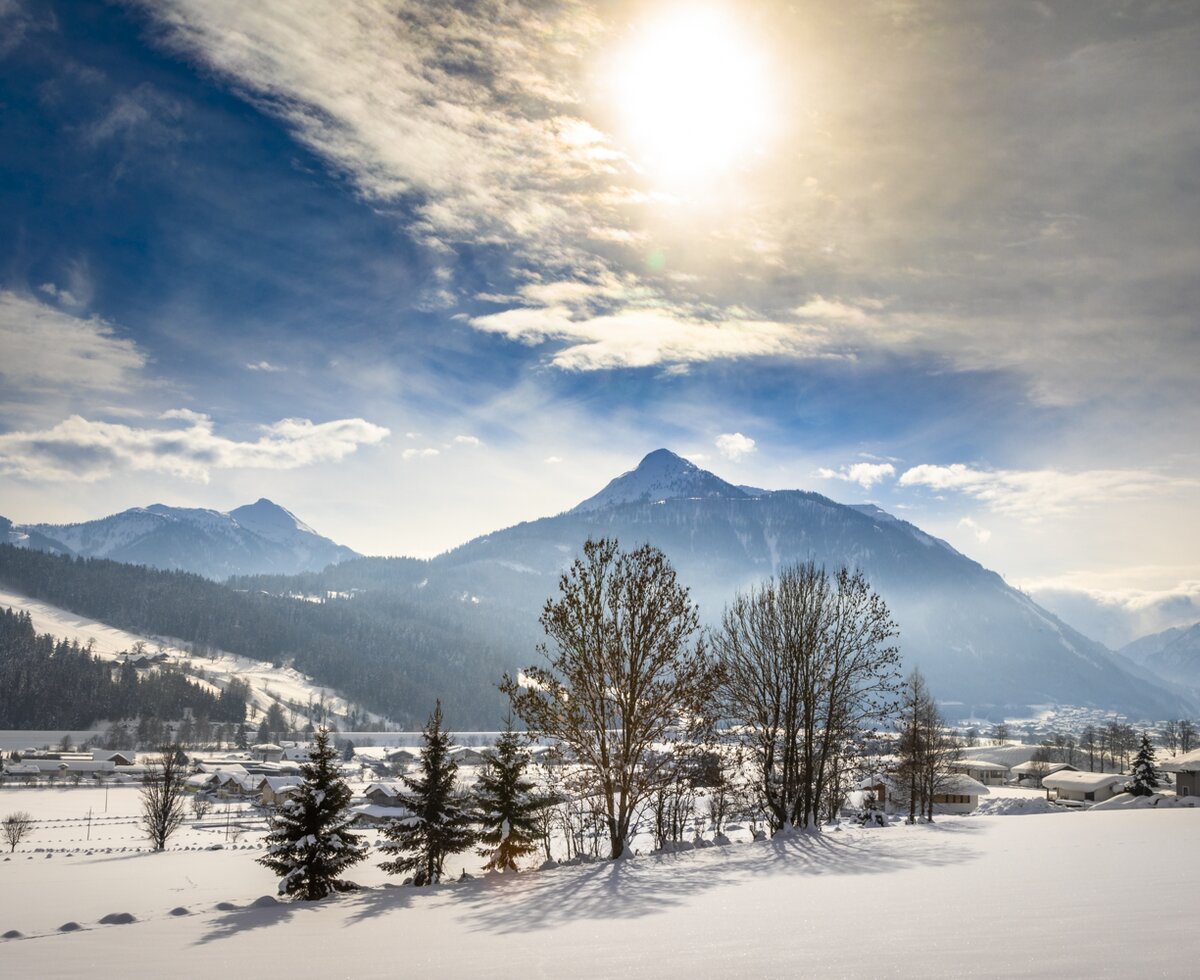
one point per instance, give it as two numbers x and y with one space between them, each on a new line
626 672
163 796
806 662
16 828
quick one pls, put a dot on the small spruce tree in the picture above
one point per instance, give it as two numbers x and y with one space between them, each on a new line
506 807
309 844
438 824
1144 780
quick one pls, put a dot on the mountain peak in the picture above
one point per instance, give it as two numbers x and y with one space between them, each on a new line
267 518
661 475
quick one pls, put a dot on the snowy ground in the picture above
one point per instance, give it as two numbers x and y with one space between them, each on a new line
1040 895
267 683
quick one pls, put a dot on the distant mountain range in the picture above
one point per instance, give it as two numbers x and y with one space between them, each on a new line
1174 653
258 538
985 647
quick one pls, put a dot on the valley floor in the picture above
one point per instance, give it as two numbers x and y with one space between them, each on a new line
1063 894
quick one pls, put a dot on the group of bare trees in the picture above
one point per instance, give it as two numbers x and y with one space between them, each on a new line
654 711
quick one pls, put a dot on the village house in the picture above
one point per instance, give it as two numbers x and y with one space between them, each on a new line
1034 772
1186 768
988 773
1084 787
955 793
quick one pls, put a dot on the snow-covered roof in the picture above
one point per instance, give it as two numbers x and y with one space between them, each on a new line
279 783
388 789
1033 767
978 764
377 812
1188 762
960 784
955 783
1082 780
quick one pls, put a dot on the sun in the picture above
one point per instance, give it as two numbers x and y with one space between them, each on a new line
692 95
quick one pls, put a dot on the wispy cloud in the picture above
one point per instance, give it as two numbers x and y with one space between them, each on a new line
734 445
472 441
866 475
265 366
424 453
637 338
45 348
982 534
1033 494
82 449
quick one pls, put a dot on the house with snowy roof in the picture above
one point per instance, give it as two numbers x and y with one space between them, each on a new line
956 792
1034 772
464 755
988 773
383 793
1186 768
273 790
1084 787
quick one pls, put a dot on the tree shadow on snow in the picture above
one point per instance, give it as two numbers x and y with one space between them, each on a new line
658 883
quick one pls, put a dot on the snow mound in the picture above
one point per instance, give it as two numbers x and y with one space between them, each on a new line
179 910
69 927
1156 801
225 907
1006 806
263 902
118 919
13 934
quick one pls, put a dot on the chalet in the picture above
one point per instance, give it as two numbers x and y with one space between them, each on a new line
296 753
988 773
466 756
956 793
383 794
116 758
273 790
267 751
397 757
1186 768
1034 772
1084 787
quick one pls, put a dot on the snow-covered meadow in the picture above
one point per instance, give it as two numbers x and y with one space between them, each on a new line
1102 894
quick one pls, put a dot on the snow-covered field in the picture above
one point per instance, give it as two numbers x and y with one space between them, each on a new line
267 683
1041 895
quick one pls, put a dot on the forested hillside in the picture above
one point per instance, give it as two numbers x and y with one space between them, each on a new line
46 683
389 651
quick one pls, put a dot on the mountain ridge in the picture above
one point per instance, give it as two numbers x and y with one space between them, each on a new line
257 538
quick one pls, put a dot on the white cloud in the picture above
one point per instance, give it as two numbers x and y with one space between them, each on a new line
468 441
982 534
1033 494
419 453
44 349
866 475
81 449
734 445
266 366
633 338
552 460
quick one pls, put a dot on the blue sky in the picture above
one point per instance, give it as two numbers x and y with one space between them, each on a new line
417 271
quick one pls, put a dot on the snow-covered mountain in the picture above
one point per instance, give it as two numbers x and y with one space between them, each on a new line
258 538
662 476
979 641
1174 653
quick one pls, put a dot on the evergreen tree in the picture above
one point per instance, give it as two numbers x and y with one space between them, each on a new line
1144 780
438 823
506 807
309 845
